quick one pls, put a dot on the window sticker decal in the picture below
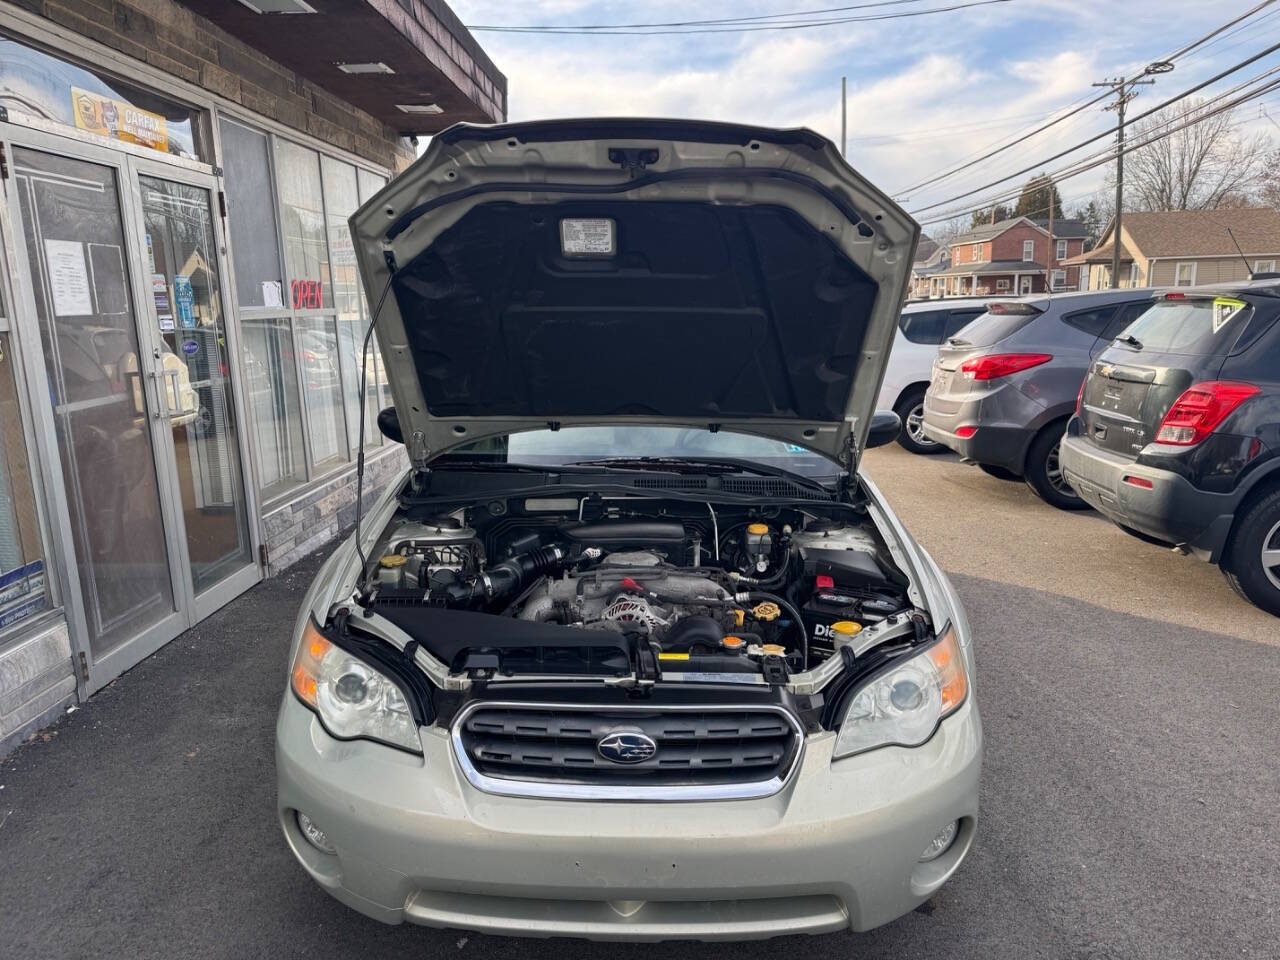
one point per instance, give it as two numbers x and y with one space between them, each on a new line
1224 309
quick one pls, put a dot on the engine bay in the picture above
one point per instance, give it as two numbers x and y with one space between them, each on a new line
675 588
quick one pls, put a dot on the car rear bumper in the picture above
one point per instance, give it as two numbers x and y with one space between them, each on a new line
1172 510
1001 445
1006 421
837 848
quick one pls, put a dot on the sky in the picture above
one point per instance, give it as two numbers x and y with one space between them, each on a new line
925 93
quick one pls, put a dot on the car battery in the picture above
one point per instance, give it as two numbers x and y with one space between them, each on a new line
830 615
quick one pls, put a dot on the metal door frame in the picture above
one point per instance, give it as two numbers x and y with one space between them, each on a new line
127 163
211 598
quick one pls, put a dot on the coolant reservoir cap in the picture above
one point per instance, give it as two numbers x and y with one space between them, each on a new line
393 560
757 529
767 610
773 649
846 628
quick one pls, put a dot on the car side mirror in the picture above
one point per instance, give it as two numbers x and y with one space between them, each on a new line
885 427
389 424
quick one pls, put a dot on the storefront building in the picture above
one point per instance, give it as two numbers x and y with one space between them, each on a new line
180 316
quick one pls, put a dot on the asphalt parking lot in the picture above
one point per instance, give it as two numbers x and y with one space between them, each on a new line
1129 800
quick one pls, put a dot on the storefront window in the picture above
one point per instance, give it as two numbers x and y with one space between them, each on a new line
302 350
23 581
252 216
322 386
38 84
275 413
306 250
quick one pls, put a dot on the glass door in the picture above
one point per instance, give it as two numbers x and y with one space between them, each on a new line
97 366
121 269
185 311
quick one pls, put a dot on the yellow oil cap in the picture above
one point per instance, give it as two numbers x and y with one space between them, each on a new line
757 529
393 560
767 610
846 628
739 617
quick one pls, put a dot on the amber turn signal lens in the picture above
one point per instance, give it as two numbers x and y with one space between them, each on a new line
306 665
947 659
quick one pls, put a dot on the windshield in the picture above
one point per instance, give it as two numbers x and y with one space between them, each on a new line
1200 327
571 444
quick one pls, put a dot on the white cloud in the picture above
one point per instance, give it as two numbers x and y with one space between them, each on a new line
950 85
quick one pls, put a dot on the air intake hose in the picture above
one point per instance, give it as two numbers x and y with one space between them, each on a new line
506 578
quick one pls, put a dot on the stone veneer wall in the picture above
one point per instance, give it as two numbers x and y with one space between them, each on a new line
295 529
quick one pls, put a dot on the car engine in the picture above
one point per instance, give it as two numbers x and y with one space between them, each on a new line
701 590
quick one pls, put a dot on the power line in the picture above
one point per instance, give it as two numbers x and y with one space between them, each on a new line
1106 157
1057 156
1231 23
992 153
1205 41
703 23
605 30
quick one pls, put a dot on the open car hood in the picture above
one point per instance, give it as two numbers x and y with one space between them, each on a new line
648 272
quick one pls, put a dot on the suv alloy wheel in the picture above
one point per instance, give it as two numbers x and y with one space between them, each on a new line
910 411
1044 470
1252 560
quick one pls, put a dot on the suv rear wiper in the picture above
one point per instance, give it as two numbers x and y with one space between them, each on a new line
958 342
1129 339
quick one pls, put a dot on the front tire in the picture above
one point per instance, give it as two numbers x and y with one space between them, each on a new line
910 411
1044 470
1251 563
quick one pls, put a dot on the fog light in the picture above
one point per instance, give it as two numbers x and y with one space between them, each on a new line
938 845
315 836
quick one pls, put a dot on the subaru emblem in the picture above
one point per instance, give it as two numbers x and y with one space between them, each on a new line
623 746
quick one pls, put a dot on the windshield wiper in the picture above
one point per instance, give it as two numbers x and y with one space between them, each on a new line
503 466
716 465
958 342
1130 339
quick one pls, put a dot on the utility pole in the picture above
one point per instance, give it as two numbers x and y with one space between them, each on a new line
844 115
1053 245
1124 91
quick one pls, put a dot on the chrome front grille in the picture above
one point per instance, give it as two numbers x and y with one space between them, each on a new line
572 751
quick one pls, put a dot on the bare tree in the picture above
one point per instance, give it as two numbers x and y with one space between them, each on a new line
1204 166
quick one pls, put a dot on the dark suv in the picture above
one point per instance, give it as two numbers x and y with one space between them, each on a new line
1002 389
1177 432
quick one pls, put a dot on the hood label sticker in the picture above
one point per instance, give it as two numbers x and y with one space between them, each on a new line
592 237
1224 308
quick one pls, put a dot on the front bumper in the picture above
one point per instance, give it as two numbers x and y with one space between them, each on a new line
1173 510
836 849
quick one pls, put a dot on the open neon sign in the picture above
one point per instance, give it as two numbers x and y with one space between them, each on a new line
307 294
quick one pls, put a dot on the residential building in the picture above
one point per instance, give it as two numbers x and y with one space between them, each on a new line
1180 248
180 316
1013 257
931 258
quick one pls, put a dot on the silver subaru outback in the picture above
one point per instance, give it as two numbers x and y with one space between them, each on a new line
633 650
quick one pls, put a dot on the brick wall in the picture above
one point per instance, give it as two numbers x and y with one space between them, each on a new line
171 38
964 253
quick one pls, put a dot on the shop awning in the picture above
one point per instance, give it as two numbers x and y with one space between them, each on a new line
410 63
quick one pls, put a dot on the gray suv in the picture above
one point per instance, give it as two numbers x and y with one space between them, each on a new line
1002 390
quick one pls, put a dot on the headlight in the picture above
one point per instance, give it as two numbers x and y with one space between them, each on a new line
904 705
352 699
